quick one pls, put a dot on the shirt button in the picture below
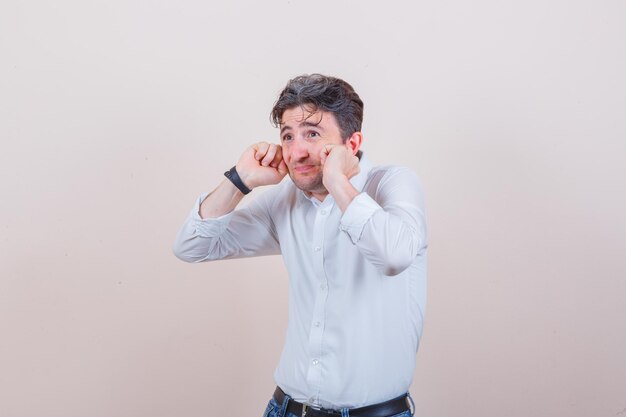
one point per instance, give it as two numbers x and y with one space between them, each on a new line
312 400
323 212
322 287
316 324
315 361
317 249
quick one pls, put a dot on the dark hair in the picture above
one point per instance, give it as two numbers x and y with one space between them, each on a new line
322 93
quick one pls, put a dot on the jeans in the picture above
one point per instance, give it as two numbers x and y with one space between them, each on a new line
279 410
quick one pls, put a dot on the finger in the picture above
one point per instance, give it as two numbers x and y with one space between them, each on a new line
269 155
261 149
282 168
278 157
325 151
323 156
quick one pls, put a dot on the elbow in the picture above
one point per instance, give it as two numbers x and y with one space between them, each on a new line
394 261
398 259
395 265
182 254
188 251
397 249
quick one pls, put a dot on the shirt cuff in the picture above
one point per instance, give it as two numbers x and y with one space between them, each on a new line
208 227
357 214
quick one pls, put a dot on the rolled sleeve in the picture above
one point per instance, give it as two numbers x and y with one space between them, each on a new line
240 233
356 216
213 227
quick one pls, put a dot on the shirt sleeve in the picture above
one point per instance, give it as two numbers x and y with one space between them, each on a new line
241 233
387 223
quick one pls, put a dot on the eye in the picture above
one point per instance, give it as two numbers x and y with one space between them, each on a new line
287 137
313 134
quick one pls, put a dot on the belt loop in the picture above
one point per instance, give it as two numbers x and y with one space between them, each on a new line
412 408
284 405
345 412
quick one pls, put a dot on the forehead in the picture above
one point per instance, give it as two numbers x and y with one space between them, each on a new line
306 115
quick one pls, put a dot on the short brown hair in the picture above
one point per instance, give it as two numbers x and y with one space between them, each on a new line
322 93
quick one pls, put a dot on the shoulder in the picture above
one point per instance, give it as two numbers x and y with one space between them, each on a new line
380 176
394 184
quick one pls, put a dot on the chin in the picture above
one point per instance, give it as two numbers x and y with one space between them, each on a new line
309 184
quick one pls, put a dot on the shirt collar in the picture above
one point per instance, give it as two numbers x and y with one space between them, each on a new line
359 180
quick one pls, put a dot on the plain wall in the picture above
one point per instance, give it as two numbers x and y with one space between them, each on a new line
115 115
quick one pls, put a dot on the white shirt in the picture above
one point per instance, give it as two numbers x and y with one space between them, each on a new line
357 281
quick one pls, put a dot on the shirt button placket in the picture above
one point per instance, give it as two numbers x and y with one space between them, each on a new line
315 376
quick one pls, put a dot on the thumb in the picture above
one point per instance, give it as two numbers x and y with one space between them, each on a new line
282 168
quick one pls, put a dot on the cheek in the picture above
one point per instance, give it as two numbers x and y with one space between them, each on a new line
286 155
318 148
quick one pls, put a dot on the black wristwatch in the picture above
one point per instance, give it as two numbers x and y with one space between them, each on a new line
233 176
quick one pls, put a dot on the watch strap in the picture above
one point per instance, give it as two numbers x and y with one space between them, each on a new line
234 177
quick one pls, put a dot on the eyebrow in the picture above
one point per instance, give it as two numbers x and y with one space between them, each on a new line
305 123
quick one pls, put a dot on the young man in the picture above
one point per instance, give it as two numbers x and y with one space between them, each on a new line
353 238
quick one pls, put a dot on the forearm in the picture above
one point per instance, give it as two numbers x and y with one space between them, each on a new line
215 230
390 242
260 164
239 233
343 191
220 201
391 230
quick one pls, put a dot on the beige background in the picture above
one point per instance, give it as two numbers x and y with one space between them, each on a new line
115 115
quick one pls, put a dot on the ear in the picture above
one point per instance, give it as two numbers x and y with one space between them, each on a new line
354 142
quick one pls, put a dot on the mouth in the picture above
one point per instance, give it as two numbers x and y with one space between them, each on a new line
303 169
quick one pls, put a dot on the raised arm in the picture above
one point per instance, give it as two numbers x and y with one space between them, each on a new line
388 223
215 230
260 164
388 226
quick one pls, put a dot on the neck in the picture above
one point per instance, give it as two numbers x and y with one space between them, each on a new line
319 195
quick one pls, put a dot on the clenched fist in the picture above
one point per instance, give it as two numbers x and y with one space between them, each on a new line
339 163
262 164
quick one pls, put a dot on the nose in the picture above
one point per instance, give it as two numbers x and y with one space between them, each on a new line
299 149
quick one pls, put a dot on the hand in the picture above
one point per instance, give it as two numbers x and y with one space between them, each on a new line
262 164
339 163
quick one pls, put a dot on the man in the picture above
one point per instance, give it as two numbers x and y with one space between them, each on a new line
353 238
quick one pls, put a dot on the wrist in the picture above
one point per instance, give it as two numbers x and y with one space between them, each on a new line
247 176
239 182
343 191
336 182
